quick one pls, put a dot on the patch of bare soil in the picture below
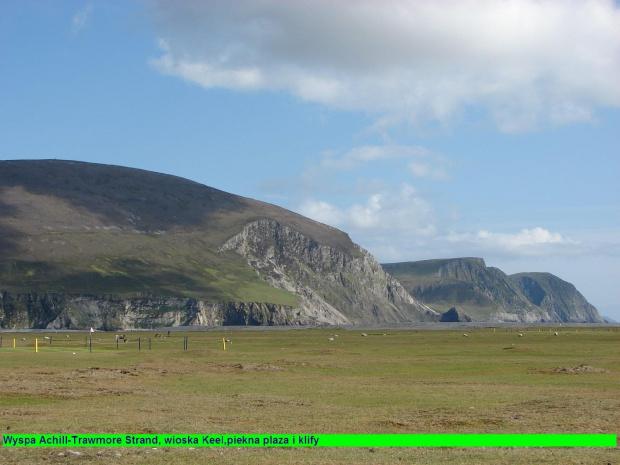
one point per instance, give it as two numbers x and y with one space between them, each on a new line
578 370
437 420
72 384
329 352
256 367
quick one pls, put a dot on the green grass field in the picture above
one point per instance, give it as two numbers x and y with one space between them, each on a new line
297 381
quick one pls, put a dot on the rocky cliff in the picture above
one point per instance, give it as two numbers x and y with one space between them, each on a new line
560 300
488 294
334 287
60 311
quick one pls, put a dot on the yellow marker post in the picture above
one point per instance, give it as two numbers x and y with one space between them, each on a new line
13 343
224 343
36 346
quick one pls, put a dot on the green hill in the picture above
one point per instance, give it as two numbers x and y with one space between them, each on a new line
71 228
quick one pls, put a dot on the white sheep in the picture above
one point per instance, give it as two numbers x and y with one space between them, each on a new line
465 335
330 338
520 335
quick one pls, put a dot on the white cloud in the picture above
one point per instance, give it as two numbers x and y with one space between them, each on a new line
528 242
388 214
525 62
80 19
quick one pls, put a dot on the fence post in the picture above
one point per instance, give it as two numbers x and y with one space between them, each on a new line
139 344
90 343
149 343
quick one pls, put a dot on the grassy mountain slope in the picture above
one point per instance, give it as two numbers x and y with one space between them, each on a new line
85 228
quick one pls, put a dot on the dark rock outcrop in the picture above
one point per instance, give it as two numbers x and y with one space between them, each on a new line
454 316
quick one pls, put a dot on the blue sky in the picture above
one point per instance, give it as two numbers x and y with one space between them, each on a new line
424 129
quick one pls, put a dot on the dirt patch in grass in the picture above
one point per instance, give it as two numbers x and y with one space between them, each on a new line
329 352
256 367
438 421
578 370
47 386
294 363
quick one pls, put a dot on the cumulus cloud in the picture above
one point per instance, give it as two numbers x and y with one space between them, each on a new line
524 62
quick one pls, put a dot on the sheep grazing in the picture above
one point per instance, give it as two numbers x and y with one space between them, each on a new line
364 334
330 338
23 338
520 335
47 338
465 335
555 334
228 341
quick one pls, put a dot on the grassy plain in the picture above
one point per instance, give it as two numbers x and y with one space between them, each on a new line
297 381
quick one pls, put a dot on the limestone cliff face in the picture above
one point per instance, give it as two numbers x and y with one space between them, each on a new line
334 287
60 311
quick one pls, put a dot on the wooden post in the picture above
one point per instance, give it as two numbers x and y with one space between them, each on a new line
90 343
224 343
139 344
36 346
149 343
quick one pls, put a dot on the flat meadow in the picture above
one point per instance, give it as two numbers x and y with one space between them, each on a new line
298 381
